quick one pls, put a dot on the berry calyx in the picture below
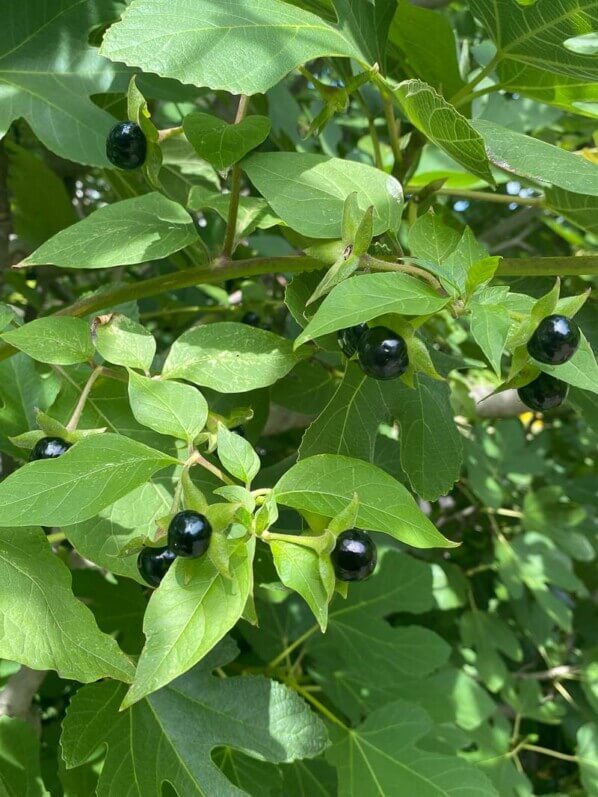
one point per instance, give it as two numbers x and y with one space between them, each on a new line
153 564
349 338
126 146
382 353
189 534
354 555
555 340
544 393
49 448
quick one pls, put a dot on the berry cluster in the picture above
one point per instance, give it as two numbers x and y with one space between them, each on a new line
381 353
189 535
554 342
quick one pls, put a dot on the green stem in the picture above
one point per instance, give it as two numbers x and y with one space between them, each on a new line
464 94
485 196
552 753
325 712
393 130
290 648
58 536
77 412
384 265
169 132
235 189
583 265
307 542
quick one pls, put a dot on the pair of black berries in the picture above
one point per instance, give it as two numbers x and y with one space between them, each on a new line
554 342
126 146
189 535
381 353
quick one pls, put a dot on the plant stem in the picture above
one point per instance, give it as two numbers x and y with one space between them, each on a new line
198 459
385 265
393 130
58 536
169 132
293 646
77 412
552 753
463 95
325 712
485 196
235 189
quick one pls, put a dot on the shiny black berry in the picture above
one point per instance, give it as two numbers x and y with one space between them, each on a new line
49 448
354 555
189 534
126 146
544 393
153 564
349 338
555 340
251 319
382 353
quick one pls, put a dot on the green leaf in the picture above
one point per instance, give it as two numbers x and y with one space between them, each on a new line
168 407
237 455
587 753
537 160
135 230
182 725
58 340
42 205
230 357
427 41
50 87
45 626
577 208
481 272
94 473
308 191
381 757
490 636
431 448
490 325
535 35
122 341
20 774
367 296
366 24
240 47
326 483
580 371
222 144
191 611
129 520
442 124
303 570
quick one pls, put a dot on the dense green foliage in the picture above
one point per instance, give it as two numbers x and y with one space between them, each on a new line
278 276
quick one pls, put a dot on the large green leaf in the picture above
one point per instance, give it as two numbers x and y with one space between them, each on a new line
366 24
380 757
305 571
242 47
43 625
579 209
20 774
230 357
535 34
191 611
122 341
367 296
171 735
326 483
134 230
442 123
50 87
94 473
537 160
54 339
308 191
490 325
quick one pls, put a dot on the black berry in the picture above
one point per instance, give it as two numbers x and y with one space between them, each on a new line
189 534
251 319
126 146
555 340
354 555
382 353
153 564
349 338
49 448
544 393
